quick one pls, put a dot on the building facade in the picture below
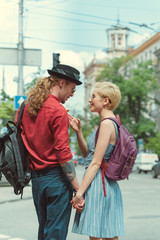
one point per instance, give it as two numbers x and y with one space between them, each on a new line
117 47
149 50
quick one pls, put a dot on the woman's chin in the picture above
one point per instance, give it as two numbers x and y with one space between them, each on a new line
91 109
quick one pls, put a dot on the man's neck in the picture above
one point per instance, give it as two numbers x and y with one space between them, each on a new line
55 91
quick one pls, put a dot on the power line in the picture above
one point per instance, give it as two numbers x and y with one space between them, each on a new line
66 43
72 19
142 25
66 30
88 15
81 14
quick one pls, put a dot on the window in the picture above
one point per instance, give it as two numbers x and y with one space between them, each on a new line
113 41
119 39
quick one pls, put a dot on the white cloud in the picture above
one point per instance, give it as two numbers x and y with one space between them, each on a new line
100 54
77 60
137 39
9 21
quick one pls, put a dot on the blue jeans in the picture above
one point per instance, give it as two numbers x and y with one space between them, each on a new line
52 193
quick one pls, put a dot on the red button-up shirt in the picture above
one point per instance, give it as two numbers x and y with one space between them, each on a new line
46 136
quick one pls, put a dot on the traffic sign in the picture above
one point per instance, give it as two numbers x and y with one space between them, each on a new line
140 145
3 130
9 56
18 101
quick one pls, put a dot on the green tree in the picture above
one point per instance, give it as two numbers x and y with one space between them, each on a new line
37 75
7 111
138 95
153 143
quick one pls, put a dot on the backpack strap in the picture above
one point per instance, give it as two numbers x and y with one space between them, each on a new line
116 128
18 120
104 164
20 113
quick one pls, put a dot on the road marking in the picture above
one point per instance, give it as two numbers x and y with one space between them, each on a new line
9 237
15 239
4 236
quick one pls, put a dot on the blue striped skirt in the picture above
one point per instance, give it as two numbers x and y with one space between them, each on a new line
102 217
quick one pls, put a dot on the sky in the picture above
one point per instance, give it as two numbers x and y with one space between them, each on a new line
74 28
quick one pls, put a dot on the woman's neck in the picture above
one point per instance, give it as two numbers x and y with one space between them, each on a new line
105 113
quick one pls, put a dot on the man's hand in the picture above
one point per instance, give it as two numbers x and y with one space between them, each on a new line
78 203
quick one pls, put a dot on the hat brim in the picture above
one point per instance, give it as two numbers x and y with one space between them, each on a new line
54 73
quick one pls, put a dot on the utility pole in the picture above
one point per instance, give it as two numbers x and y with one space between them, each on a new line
3 80
20 90
20 57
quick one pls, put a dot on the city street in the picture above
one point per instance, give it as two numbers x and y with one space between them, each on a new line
141 197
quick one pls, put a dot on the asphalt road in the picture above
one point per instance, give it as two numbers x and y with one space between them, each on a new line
141 198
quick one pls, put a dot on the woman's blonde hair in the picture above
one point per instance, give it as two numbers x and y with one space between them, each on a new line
110 90
39 93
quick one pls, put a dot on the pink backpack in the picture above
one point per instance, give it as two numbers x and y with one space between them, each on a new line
122 159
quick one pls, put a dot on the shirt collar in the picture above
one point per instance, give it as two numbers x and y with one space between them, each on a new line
53 96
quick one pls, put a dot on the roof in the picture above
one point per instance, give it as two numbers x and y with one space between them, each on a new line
146 45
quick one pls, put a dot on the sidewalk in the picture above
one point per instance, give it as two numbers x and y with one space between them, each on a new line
7 193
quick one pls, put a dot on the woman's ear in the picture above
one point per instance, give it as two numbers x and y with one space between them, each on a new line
106 101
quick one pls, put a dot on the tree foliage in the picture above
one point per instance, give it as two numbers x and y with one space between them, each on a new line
7 111
138 95
37 75
153 143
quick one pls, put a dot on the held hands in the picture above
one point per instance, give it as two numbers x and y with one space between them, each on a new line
78 203
75 123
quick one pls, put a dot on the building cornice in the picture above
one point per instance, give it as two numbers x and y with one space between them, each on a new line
146 45
91 67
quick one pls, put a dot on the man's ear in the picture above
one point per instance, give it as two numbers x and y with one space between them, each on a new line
61 83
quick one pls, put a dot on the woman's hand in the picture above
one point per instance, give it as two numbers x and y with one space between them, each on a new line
75 123
78 203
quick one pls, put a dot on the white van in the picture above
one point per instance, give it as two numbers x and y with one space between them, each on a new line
145 161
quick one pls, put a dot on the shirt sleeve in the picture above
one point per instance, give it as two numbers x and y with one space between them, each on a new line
59 127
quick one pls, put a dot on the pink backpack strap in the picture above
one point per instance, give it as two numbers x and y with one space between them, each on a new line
104 164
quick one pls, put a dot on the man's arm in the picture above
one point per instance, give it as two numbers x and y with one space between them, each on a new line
69 169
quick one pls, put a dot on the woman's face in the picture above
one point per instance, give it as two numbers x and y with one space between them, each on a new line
96 102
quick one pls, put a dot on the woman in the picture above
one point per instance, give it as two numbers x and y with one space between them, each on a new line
102 217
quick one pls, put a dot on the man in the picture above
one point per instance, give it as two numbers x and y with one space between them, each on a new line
45 134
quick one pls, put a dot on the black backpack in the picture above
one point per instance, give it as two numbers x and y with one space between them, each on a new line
14 156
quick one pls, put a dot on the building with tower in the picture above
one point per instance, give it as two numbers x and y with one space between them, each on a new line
117 41
117 47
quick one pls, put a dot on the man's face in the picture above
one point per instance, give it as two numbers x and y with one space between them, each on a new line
67 91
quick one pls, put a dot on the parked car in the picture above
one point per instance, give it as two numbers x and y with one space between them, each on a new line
156 169
145 161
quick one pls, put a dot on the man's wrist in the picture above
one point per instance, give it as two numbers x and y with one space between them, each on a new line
74 192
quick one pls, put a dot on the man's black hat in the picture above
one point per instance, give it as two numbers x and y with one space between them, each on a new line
66 72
